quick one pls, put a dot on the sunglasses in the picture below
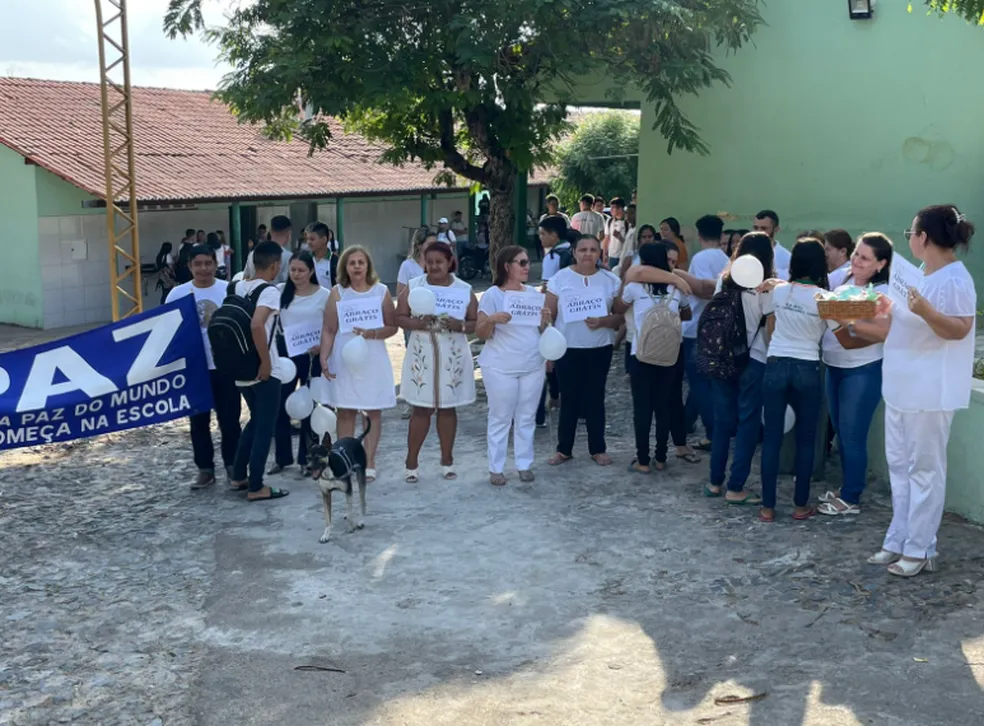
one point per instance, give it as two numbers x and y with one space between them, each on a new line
521 263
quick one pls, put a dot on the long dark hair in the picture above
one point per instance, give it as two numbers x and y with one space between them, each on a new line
160 262
809 262
884 249
655 255
506 255
290 290
758 245
945 226
674 226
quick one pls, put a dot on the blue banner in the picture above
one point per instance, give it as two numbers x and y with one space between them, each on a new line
140 371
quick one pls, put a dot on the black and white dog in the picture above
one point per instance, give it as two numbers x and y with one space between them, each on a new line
334 465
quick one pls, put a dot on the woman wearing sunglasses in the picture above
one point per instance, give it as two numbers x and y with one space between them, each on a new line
512 367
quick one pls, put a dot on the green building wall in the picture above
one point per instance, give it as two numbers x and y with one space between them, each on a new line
832 123
20 273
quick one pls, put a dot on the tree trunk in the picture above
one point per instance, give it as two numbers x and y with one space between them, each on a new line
502 214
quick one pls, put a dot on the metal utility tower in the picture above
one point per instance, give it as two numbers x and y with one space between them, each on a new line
118 152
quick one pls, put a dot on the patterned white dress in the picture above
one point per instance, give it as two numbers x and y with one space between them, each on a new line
371 389
438 371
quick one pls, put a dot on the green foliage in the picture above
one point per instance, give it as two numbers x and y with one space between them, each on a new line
580 164
970 10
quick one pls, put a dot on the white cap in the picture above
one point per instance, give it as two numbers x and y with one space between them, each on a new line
442 220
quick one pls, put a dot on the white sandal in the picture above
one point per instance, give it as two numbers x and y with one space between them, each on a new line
448 472
370 475
884 557
411 476
911 568
837 506
828 496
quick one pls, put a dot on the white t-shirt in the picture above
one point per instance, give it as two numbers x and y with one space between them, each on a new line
249 272
706 265
304 308
578 334
512 349
755 306
225 256
614 244
589 222
641 300
836 355
799 327
448 237
409 269
781 260
207 300
269 298
837 277
322 269
921 371
551 260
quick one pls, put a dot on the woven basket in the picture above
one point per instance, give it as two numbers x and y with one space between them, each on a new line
847 309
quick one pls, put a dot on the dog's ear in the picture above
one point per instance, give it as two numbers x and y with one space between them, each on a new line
326 441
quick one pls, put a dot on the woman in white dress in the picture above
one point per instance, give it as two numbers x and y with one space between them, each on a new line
371 388
512 367
438 374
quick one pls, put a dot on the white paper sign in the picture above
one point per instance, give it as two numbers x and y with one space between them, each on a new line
524 307
579 306
301 337
903 276
451 301
365 313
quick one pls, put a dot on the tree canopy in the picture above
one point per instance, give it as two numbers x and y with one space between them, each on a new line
600 157
477 87
970 10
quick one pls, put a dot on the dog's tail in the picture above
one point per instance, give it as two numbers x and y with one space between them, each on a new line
367 424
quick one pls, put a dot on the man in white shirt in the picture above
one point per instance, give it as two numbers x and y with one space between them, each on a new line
553 209
615 233
588 221
319 238
459 227
281 233
209 294
768 221
444 233
706 266
839 246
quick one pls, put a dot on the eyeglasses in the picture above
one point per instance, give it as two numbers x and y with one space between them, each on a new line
909 232
521 263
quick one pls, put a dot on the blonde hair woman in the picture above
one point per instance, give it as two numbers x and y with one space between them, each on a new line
371 388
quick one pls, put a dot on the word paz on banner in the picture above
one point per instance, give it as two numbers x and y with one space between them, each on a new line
146 369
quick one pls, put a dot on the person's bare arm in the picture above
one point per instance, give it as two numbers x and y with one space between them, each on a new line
329 330
700 287
646 273
405 319
258 329
866 332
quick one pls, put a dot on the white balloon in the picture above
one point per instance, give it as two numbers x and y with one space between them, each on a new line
238 276
299 404
319 389
285 370
553 344
323 421
422 301
788 423
747 271
355 355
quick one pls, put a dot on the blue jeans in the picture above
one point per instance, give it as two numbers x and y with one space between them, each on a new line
700 401
852 397
796 383
737 409
263 400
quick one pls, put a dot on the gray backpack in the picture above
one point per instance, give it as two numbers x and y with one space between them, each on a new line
660 335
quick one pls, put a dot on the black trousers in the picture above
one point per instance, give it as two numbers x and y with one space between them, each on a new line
553 386
582 373
657 391
307 366
228 406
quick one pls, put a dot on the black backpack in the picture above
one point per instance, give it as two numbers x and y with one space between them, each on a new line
231 337
722 338
566 257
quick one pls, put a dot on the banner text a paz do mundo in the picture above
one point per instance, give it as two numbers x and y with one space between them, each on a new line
147 369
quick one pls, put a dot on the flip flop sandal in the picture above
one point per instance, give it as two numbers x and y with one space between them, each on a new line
908 568
660 466
238 486
710 493
703 446
276 469
803 516
633 468
370 475
497 480
828 496
448 472
831 508
748 501
690 458
411 476
558 459
606 461
884 557
767 518
274 494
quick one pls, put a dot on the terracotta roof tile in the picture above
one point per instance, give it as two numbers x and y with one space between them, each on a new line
189 148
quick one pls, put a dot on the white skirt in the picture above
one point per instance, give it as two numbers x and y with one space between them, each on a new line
369 389
438 371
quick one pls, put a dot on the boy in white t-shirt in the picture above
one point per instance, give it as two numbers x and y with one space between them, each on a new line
209 294
263 394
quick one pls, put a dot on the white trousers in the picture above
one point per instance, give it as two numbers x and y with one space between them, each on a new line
915 446
513 399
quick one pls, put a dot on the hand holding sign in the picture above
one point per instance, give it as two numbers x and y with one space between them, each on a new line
904 277
365 313
524 308
579 306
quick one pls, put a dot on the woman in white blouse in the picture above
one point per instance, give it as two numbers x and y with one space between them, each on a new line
583 371
854 374
512 367
792 374
370 388
927 369
302 304
413 266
